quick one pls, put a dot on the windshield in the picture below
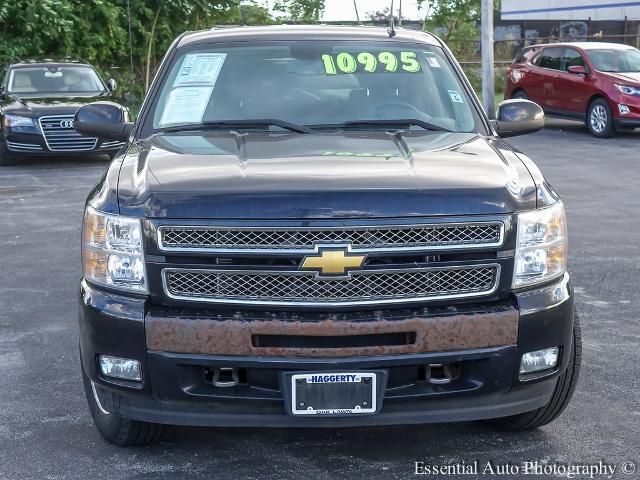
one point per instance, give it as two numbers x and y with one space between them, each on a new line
616 61
54 79
314 84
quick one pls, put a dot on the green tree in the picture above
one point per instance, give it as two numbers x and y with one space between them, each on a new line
99 31
457 21
307 11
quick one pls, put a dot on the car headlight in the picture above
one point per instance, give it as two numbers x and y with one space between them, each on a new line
112 252
541 251
12 121
627 90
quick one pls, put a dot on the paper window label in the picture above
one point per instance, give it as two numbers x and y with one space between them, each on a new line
192 88
200 69
455 96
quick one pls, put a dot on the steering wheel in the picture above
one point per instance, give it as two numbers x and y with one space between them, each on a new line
387 109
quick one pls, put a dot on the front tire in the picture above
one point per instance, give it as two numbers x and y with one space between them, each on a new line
118 430
600 119
561 395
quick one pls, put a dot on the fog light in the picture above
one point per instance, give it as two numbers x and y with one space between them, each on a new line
623 109
539 360
121 368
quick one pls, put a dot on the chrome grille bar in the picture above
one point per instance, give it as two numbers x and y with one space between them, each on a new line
379 238
60 136
296 288
23 147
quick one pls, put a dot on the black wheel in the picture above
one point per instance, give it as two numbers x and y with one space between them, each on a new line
118 430
561 395
520 94
5 158
600 119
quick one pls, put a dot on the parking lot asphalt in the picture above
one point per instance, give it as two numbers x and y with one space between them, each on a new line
46 431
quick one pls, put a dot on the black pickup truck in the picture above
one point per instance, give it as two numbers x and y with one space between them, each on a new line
38 99
320 227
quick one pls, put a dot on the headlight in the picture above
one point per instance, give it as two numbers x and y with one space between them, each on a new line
112 253
627 90
17 121
541 251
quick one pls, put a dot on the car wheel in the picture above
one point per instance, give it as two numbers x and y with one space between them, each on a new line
118 430
600 119
521 94
561 395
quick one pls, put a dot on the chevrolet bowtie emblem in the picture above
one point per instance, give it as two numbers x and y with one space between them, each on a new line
332 261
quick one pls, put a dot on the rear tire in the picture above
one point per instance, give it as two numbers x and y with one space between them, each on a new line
118 430
600 119
561 395
520 94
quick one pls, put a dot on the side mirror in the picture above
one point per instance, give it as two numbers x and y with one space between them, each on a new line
1 92
577 69
106 120
112 85
518 117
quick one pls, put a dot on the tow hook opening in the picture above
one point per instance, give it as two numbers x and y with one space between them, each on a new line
225 376
441 373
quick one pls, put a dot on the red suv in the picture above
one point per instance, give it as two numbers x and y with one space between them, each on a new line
597 83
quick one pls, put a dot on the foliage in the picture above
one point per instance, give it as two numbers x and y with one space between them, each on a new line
378 16
308 11
457 22
97 31
474 75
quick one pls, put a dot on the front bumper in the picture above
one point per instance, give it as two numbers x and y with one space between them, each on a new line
176 389
626 123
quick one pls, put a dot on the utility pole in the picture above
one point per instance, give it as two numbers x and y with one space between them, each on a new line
488 75
400 14
355 7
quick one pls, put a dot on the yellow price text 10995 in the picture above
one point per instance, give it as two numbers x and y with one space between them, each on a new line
345 62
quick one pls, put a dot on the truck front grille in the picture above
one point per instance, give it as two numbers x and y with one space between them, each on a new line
60 136
363 287
301 240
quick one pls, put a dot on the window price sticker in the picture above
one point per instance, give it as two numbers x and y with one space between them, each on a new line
186 105
455 96
433 62
200 69
192 88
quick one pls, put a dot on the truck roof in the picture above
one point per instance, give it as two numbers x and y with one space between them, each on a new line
305 32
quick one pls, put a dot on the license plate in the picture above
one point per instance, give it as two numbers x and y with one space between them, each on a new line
333 394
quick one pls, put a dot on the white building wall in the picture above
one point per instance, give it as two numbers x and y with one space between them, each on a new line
570 9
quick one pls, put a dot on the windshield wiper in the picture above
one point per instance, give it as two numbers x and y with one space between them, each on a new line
399 124
239 124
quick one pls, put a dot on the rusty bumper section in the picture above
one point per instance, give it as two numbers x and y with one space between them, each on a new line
238 337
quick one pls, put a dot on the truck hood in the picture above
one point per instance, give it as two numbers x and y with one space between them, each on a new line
325 175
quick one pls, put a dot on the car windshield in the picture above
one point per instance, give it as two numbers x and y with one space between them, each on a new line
297 85
54 79
616 61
